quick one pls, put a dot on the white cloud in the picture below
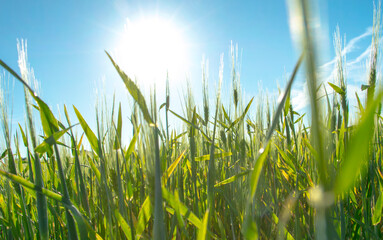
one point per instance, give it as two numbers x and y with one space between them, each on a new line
355 73
351 44
350 47
299 97
361 57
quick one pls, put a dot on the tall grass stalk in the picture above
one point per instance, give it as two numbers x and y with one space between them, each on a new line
28 76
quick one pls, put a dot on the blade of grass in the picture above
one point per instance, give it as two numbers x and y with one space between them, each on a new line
202 231
88 132
41 199
125 227
357 152
134 91
171 168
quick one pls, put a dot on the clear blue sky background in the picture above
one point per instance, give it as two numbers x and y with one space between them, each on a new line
67 39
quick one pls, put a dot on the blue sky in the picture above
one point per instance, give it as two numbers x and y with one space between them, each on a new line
67 39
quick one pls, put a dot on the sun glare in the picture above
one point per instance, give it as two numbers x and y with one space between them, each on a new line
151 47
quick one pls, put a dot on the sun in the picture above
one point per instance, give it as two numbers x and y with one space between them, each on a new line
150 48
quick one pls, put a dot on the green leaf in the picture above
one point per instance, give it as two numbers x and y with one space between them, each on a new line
143 217
287 104
125 227
361 109
336 88
257 170
377 216
285 232
171 168
134 91
300 118
240 118
225 114
221 229
88 132
41 200
202 231
232 178
48 121
310 147
25 140
192 125
286 158
216 155
364 87
27 184
83 224
175 202
4 154
132 143
119 129
95 169
251 230
357 151
162 105
49 141
282 102
180 220
10 70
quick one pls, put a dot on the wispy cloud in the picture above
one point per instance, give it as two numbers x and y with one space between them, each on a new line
300 98
361 57
355 73
351 46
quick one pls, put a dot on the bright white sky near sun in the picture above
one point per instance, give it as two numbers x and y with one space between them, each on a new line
66 43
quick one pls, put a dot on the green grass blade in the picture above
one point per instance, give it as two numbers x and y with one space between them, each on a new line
84 226
57 197
282 101
203 230
377 215
257 171
132 143
49 141
95 169
360 106
206 157
125 226
336 88
48 121
88 132
240 118
171 168
25 140
75 147
192 125
232 178
175 202
143 217
41 199
10 70
357 151
134 91
159 230
119 129
27 184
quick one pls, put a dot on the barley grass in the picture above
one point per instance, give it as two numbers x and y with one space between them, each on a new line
244 170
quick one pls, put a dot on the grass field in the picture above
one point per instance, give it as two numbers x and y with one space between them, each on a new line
224 176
